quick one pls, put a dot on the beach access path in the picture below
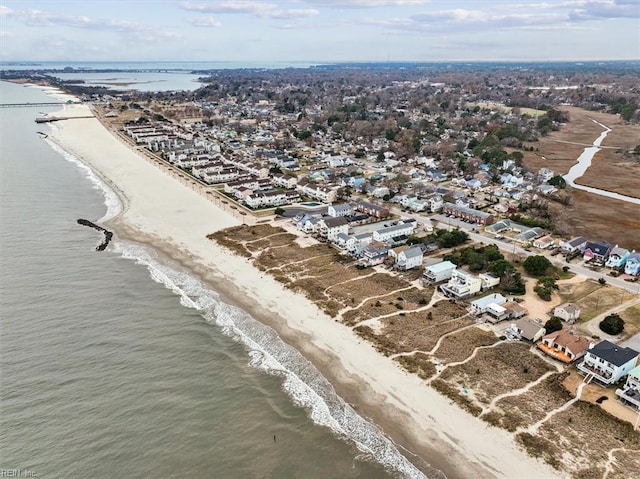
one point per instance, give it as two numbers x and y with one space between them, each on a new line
172 217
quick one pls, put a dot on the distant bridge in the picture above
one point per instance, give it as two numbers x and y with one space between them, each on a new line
28 105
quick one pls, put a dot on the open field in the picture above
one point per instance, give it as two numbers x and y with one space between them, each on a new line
631 318
594 216
497 370
419 331
598 433
592 297
598 217
512 412
457 347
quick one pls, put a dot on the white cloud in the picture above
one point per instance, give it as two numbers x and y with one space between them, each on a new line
39 18
210 22
367 3
258 9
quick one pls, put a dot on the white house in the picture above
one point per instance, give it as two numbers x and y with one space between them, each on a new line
386 234
575 244
607 362
568 311
486 303
342 209
630 392
545 242
410 258
331 227
438 272
524 328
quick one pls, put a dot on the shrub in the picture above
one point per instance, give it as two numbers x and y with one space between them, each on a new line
553 325
536 265
612 324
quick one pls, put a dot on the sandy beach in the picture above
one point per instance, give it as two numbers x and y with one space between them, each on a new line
172 217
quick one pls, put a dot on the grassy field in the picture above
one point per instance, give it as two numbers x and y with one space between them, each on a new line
613 169
631 318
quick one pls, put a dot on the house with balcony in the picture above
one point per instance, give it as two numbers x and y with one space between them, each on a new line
375 253
410 258
607 362
564 345
629 394
633 264
525 329
462 284
617 258
438 272
489 304
331 227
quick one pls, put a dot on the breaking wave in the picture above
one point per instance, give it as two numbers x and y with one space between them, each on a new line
111 199
300 379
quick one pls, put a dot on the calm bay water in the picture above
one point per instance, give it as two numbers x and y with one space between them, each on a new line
119 364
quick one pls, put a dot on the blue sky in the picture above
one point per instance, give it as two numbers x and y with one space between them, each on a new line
319 30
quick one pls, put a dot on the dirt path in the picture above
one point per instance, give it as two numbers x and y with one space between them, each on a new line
533 428
457 363
516 392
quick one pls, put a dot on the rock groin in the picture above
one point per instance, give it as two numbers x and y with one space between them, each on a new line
107 234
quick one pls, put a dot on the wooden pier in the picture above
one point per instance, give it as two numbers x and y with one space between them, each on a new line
30 105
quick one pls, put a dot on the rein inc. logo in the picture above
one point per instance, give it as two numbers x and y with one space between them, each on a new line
17 473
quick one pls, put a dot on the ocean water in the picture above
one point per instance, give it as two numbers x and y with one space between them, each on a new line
143 76
121 364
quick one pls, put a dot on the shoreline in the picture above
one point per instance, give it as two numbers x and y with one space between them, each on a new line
169 216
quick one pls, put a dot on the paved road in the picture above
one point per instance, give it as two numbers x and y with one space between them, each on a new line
509 246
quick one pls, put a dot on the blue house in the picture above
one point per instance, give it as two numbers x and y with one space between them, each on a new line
617 258
633 264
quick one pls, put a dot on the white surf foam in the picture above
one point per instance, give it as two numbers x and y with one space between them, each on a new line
301 381
111 200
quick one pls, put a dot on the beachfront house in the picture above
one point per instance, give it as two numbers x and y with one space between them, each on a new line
629 394
618 257
489 304
331 227
438 272
463 284
564 346
607 362
525 329
374 254
409 258
633 264
569 312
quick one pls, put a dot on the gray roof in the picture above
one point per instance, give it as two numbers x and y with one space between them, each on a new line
334 222
413 252
612 353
